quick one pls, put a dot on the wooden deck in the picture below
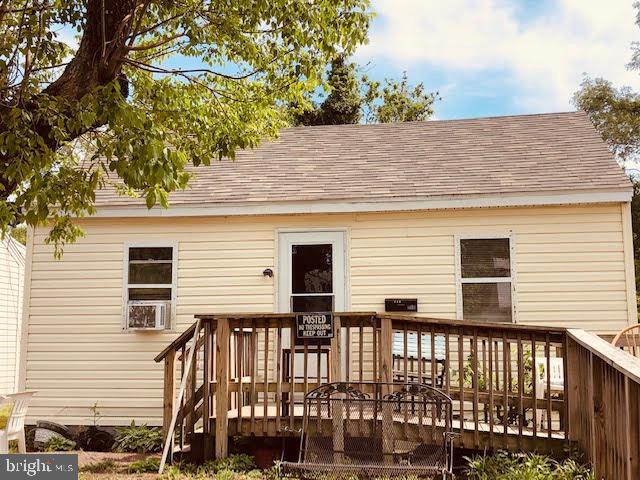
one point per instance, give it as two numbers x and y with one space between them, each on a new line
247 377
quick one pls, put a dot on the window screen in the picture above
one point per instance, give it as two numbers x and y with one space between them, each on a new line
486 279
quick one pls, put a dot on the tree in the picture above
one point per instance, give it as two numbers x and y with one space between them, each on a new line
344 102
397 101
354 98
614 112
19 233
117 110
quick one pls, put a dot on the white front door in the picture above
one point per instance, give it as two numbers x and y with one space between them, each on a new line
311 278
311 272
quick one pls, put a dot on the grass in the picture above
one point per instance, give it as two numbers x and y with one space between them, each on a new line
106 466
147 465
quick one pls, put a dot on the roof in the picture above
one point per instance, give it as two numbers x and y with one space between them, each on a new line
525 154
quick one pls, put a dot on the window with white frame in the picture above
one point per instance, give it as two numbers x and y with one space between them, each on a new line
150 286
485 279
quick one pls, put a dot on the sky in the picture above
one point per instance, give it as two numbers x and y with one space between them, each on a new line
502 57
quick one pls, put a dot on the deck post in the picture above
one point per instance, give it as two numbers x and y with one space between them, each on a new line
206 392
337 405
169 390
386 354
386 376
222 387
573 379
335 374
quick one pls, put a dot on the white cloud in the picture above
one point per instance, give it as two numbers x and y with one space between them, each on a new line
544 56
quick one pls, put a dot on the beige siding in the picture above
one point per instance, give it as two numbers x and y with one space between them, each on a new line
11 281
570 268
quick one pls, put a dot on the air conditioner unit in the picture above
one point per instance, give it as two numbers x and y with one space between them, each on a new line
148 315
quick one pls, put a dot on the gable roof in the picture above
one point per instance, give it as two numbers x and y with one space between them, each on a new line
496 156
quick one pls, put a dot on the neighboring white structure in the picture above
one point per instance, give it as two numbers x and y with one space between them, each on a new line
12 255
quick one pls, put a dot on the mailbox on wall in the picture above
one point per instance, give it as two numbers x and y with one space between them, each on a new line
401 305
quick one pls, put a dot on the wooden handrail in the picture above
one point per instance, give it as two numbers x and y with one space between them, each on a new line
618 359
169 433
604 405
180 341
515 327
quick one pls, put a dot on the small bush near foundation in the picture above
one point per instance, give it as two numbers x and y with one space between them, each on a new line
59 444
106 466
144 466
233 463
505 466
137 439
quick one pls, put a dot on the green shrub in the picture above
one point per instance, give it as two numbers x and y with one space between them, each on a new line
137 439
144 466
59 444
234 467
172 472
233 463
105 466
504 466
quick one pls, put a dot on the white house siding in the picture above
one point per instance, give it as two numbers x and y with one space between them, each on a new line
570 268
11 283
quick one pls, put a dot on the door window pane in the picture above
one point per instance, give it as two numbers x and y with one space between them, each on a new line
312 269
312 303
488 302
486 257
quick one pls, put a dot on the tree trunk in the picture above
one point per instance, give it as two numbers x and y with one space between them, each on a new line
97 62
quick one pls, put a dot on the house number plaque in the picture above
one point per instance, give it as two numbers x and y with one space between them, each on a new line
314 326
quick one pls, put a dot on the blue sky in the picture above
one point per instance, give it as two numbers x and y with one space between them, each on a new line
497 57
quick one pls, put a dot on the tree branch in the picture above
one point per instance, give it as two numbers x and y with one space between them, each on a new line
159 43
168 71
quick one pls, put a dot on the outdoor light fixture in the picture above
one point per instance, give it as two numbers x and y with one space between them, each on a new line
268 273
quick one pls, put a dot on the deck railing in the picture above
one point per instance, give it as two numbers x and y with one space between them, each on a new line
604 391
513 387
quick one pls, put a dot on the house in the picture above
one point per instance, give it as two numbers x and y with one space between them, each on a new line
12 257
521 219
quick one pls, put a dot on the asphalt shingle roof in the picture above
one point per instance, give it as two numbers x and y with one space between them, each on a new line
483 156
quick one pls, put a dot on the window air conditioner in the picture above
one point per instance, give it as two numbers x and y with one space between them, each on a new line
148 315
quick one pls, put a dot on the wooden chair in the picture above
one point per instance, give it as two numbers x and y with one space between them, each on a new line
15 425
628 339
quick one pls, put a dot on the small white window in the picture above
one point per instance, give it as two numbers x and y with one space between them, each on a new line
150 286
485 279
